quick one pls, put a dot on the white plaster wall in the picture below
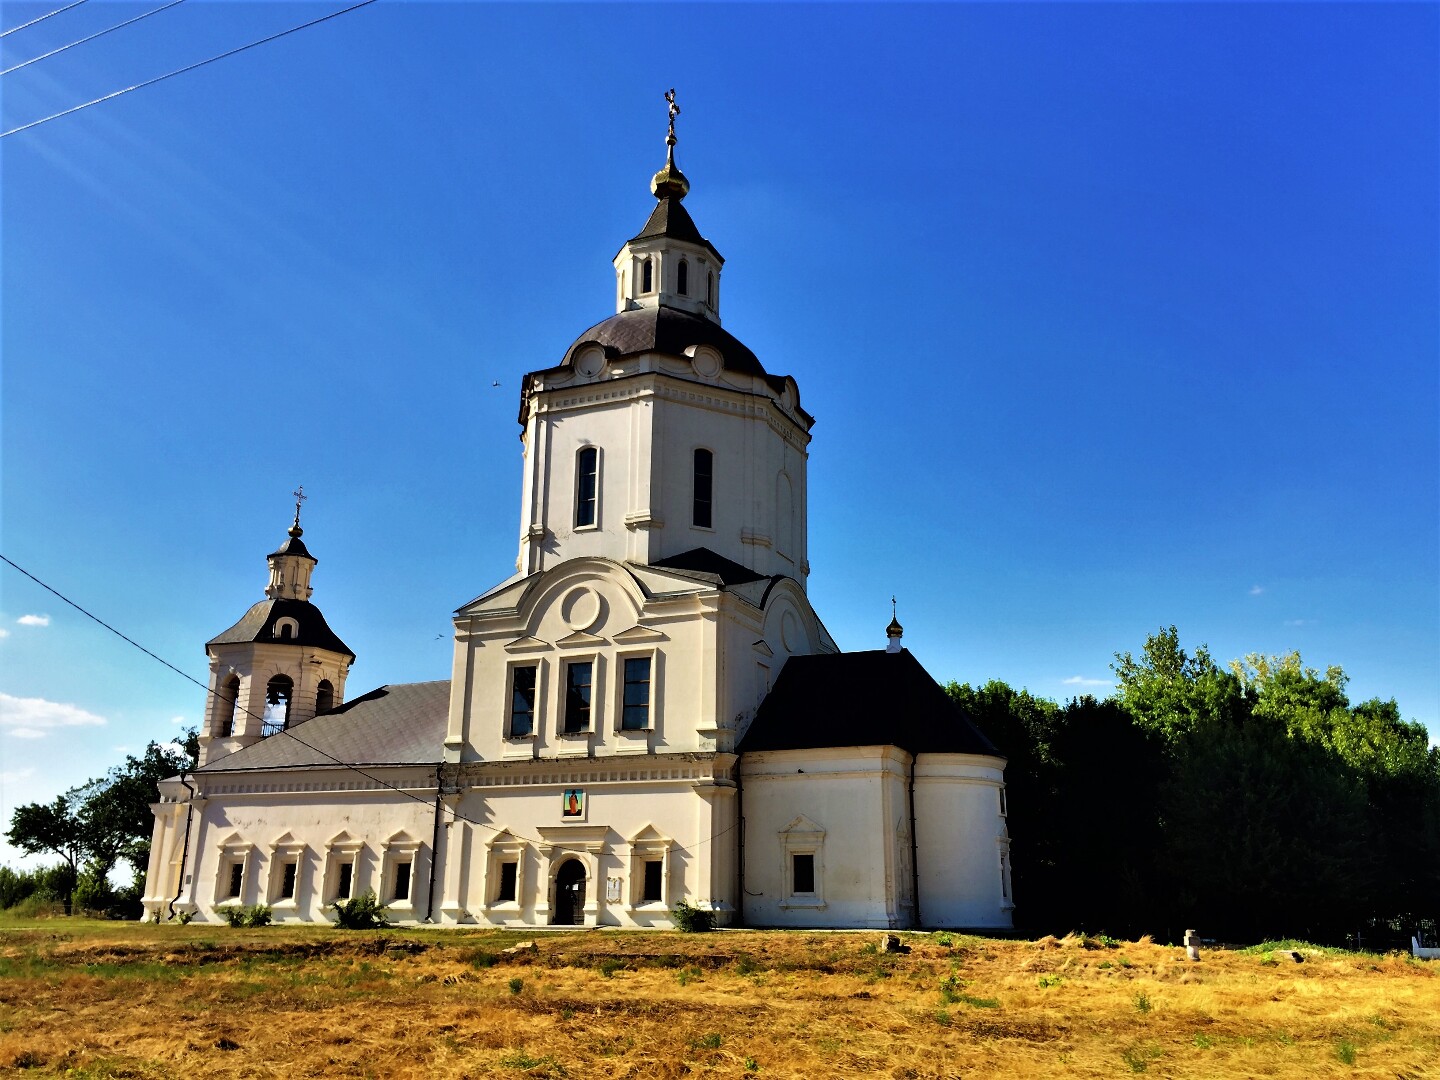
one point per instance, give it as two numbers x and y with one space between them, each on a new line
852 793
302 822
681 815
958 833
256 664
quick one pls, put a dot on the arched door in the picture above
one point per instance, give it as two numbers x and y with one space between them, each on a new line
569 909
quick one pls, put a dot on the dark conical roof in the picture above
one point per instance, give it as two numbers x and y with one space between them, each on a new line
672 221
293 545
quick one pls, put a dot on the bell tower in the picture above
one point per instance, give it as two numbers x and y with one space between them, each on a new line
280 665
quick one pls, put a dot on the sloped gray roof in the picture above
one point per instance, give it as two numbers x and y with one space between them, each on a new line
402 724
258 624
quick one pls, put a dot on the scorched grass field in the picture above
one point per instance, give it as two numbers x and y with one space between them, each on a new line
91 999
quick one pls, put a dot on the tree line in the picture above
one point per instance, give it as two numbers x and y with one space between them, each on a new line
1252 801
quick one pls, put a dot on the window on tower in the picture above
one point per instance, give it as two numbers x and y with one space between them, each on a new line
587 475
682 278
647 276
702 515
229 705
324 696
710 288
278 693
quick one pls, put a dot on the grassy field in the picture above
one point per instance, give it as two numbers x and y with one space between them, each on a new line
92 999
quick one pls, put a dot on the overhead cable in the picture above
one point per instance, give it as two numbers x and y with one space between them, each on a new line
454 813
188 67
41 19
92 37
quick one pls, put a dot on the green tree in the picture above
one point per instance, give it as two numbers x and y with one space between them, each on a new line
98 824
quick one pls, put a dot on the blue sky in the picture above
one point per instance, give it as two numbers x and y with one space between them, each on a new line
1112 316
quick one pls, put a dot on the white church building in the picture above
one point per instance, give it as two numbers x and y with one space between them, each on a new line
648 711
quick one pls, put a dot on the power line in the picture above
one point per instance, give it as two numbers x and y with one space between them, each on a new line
455 814
92 37
41 19
189 67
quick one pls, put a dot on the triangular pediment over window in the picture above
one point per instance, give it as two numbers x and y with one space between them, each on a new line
639 634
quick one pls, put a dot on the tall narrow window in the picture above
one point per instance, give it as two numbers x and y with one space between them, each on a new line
287 882
647 277
577 697
324 696
702 515
237 879
654 882
803 873
710 288
587 470
522 701
508 875
682 278
278 692
402 881
347 881
229 706
635 713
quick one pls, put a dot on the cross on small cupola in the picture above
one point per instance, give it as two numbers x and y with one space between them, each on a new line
668 264
894 632
291 563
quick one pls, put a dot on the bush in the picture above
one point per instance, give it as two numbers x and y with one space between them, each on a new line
39 889
692 920
363 912
237 915
93 894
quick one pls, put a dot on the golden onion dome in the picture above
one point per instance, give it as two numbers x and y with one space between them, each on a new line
670 182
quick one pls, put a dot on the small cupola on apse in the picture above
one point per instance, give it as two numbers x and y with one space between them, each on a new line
668 263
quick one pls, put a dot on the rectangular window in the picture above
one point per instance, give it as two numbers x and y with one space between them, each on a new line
237 879
287 882
509 872
635 711
347 881
704 488
522 701
803 872
587 475
577 696
402 880
654 881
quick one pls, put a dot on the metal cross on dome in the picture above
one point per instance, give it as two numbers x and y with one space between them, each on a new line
300 497
674 112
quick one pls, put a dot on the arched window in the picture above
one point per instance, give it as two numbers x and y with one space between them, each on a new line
587 476
286 628
324 696
702 514
710 288
278 692
682 278
647 277
229 706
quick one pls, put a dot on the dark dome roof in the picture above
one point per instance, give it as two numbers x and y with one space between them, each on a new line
294 546
258 625
670 331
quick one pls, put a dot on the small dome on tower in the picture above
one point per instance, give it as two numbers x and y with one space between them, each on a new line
670 182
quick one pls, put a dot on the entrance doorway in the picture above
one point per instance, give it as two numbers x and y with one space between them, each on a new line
569 907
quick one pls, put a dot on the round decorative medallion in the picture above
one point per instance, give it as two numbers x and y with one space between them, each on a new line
590 362
706 363
581 609
789 631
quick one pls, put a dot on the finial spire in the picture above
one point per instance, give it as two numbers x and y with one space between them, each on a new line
670 181
894 632
300 497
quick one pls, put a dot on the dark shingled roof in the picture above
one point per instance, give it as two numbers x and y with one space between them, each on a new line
671 331
259 625
394 725
671 220
861 699
294 546
703 561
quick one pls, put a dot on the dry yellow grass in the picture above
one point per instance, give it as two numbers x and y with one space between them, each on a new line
98 1000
